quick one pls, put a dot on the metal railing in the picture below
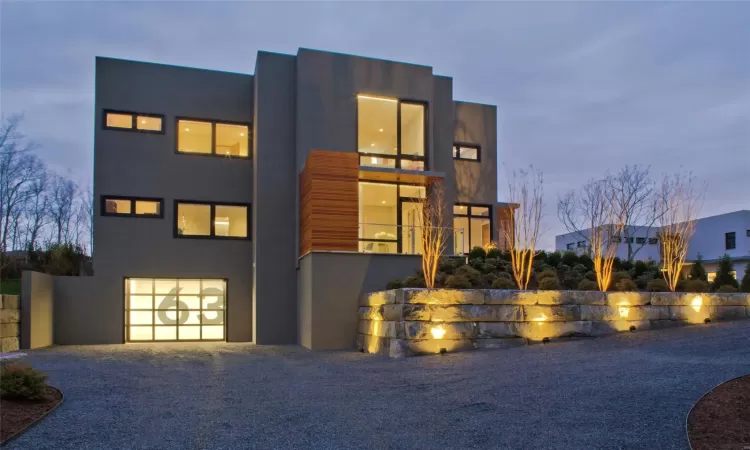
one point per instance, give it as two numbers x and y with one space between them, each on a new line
403 239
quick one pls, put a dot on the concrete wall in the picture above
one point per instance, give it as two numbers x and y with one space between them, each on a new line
709 237
331 283
476 182
10 327
275 208
141 164
406 322
37 310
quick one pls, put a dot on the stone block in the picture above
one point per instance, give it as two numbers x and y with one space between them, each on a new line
666 298
584 298
646 312
628 298
537 331
475 313
691 314
497 330
482 344
9 330
381 328
728 312
549 297
378 298
450 331
510 297
10 302
10 315
8 344
400 348
443 296
734 299
371 313
374 344
559 313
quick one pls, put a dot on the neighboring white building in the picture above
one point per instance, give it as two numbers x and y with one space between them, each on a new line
714 236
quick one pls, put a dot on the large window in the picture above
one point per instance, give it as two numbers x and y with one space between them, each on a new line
391 133
162 309
472 225
730 240
131 206
390 218
130 121
467 152
213 138
223 221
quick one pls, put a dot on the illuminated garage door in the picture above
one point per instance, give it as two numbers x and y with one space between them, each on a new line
162 309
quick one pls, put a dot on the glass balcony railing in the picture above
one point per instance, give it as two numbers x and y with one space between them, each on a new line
403 239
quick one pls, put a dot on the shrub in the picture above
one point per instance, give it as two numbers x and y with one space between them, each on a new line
477 263
414 281
697 271
681 285
657 285
571 279
546 274
619 276
580 268
643 280
488 268
569 258
471 274
554 258
477 252
488 279
696 285
586 261
626 285
503 283
549 284
591 275
626 266
724 275
457 282
745 284
395 284
494 253
19 381
448 265
541 255
588 285
640 268
727 288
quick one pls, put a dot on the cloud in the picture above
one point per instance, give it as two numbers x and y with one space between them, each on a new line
580 87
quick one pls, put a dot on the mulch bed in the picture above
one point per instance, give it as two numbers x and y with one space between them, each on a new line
15 415
721 419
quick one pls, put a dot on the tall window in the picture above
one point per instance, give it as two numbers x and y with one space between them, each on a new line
196 219
472 225
213 138
730 240
391 133
389 218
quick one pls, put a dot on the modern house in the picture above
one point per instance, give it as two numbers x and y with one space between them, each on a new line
258 207
714 237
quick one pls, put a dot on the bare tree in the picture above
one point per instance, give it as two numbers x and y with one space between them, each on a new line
86 213
37 209
595 211
680 199
521 231
433 230
633 192
17 172
62 208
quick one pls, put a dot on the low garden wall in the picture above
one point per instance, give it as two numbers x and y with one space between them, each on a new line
10 323
407 322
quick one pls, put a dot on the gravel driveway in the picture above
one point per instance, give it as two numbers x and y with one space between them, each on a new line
626 391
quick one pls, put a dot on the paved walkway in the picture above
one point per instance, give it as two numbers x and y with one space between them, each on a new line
627 391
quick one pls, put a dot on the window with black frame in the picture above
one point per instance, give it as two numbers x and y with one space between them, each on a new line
472 227
391 133
390 218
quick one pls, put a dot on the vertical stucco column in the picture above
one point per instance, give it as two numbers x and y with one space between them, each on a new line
37 310
441 159
274 210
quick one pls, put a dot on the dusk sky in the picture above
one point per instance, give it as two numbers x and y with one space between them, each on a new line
580 87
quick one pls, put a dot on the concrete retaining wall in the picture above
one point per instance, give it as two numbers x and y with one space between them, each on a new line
10 323
406 322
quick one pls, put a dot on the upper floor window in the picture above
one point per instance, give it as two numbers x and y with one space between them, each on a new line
122 120
472 227
202 219
628 240
640 240
748 233
581 244
213 138
466 152
131 206
391 133
730 240
653 241
570 246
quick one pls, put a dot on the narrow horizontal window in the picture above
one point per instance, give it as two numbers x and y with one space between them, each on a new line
213 138
466 152
211 220
143 122
640 240
131 206
653 241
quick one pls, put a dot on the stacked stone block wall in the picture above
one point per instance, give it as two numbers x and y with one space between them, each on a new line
10 323
405 322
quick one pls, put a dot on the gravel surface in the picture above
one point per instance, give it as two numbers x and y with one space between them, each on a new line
626 391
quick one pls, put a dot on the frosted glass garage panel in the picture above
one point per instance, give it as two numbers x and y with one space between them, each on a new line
175 309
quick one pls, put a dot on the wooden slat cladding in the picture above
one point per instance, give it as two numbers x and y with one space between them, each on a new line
329 202
504 216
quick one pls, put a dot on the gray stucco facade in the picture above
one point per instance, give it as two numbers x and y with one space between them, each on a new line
293 104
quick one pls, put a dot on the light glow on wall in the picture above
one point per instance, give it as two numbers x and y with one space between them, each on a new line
624 310
696 303
437 332
542 318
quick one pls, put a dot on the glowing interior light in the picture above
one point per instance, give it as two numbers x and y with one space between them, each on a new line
374 160
372 97
143 121
696 303
221 222
372 145
187 129
438 332
381 130
242 134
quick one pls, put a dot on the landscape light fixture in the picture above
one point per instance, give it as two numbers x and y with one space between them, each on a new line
443 351
545 340
632 328
706 320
